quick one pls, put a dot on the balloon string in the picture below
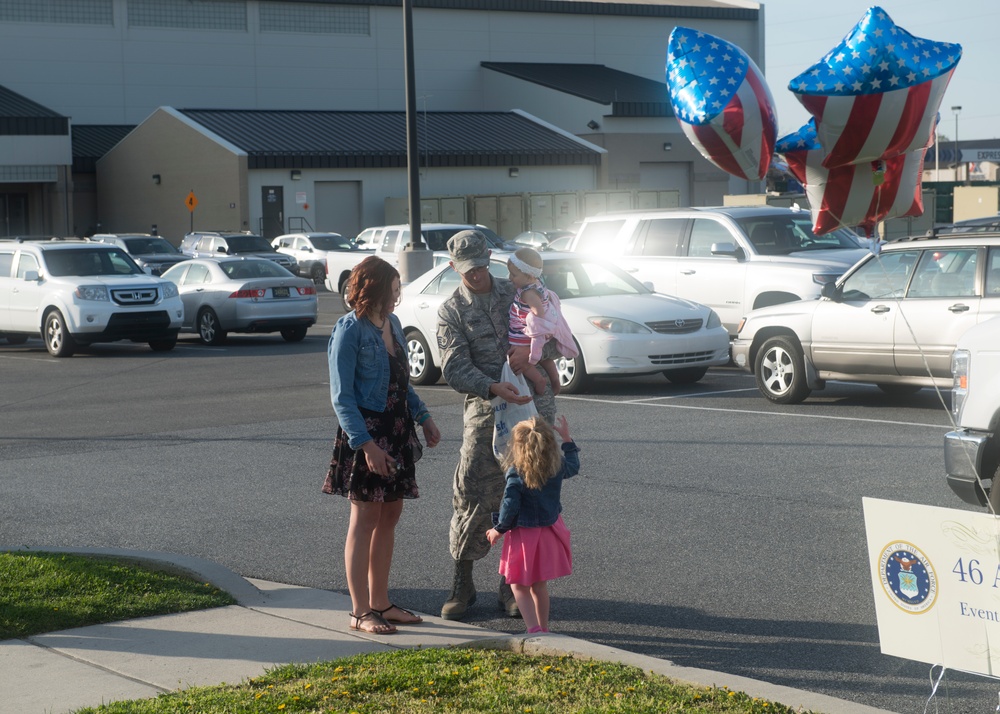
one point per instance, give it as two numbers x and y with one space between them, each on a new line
897 295
934 686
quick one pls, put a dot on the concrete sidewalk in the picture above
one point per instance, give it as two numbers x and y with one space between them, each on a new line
272 624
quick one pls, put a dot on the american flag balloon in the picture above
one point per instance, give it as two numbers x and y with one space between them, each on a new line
856 195
877 93
722 102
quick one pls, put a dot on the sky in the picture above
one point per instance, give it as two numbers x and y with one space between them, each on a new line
799 33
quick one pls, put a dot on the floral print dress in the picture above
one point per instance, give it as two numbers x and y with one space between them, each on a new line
394 431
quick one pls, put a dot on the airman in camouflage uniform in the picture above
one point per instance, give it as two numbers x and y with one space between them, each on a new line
472 336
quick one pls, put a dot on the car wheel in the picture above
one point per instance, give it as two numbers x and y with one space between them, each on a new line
164 345
900 390
17 339
58 341
688 375
780 371
209 330
343 297
418 355
573 377
294 334
318 274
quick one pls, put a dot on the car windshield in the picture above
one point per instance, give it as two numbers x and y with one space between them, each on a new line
91 261
250 269
248 244
569 278
149 246
784 234
331 242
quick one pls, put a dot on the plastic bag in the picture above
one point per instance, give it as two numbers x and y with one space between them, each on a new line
506 414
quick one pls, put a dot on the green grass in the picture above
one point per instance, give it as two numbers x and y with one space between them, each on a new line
450 680
44 592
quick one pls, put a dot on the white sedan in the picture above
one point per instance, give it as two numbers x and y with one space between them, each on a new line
621 326
224 295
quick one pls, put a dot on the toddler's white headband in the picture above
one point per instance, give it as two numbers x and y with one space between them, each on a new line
524 267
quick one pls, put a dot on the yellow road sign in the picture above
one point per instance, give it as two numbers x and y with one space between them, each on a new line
191 202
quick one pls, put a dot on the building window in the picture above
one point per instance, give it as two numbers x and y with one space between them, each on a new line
184 14
320 19
69 12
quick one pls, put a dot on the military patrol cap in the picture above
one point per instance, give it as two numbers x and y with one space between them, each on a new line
468 250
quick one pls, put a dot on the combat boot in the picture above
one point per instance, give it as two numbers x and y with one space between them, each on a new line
505 599
463 592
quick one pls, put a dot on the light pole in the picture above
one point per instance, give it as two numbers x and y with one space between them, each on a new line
958 155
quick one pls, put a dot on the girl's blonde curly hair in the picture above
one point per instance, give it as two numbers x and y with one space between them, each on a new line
533 451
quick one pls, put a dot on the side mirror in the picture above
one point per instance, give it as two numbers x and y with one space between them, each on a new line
831 291
31 276
724 249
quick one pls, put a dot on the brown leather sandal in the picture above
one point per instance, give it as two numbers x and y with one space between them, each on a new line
377 625
413 619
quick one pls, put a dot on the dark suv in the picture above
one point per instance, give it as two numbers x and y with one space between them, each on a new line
212 244
151 253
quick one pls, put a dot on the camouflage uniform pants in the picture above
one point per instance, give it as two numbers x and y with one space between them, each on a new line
479 483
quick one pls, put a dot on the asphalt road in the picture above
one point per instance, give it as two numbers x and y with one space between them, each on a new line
709 527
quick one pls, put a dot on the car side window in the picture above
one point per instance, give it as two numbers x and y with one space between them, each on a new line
883 276
704 233
25 263
445 283
661 236
389 241
992 273
945 273
196 274
6 261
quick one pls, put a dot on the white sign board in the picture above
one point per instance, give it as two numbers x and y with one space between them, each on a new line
936 581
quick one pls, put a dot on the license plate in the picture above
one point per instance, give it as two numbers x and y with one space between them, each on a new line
279 292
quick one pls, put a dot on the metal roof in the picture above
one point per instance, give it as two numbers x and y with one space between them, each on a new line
92 141
685 9
337 139
628 94
19 116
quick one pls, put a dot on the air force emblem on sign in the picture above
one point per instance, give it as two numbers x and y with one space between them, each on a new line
908 577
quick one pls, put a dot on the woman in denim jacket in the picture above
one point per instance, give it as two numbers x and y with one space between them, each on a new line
376 448
536 547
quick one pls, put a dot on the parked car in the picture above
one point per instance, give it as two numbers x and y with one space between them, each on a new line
621 326
223 295
893 320
562 243
151 253
212 244
986 224
540 239
319 254
75 293
388 241
733 259
972 449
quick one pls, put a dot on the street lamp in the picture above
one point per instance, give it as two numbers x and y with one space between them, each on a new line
958 155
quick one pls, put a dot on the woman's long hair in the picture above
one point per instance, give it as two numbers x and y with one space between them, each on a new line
369 288
533 451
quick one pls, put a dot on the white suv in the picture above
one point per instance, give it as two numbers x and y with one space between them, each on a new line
733 259
321 254
73 293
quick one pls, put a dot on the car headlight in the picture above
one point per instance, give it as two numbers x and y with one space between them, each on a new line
169 290
713 320
960 388
618 325
92 292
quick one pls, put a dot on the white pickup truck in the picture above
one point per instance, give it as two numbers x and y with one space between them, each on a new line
972 450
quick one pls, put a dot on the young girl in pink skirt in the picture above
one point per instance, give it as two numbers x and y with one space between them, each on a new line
536 545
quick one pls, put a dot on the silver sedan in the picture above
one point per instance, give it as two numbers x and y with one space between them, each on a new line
243 295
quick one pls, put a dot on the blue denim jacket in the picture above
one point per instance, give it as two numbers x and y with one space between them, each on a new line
524 507
359 374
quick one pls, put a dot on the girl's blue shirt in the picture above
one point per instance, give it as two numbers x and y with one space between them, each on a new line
524 507
359 374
